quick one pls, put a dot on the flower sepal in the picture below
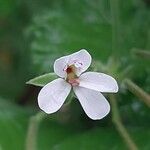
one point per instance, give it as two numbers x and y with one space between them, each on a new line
43 79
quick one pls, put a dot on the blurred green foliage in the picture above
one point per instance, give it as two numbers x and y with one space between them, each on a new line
34 33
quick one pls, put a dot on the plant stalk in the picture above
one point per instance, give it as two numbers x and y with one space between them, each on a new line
137 91
32 133
119 125
114 7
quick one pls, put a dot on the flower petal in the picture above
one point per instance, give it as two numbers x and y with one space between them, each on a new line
99 82
60 65
81 59
53 95
94 103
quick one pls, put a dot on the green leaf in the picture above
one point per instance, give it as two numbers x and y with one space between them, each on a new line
43 79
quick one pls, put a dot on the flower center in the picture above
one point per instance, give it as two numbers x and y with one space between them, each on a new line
71 75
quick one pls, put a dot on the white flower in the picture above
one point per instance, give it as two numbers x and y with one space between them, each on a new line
86 86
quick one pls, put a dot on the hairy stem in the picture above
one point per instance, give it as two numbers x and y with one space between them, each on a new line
119 125
136 90
115 46
34 122
145 54
32 133
114 6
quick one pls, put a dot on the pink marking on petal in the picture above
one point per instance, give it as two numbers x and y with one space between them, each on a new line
65 68
80 63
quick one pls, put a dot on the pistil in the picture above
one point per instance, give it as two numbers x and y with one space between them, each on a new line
71 75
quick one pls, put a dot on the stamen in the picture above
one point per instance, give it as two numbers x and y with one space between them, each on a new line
69 70
71 75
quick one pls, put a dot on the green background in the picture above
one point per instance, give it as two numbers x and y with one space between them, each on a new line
34 33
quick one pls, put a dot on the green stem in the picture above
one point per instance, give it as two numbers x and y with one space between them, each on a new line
114 6
34 122
32 133
136 90
142 53
119 125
